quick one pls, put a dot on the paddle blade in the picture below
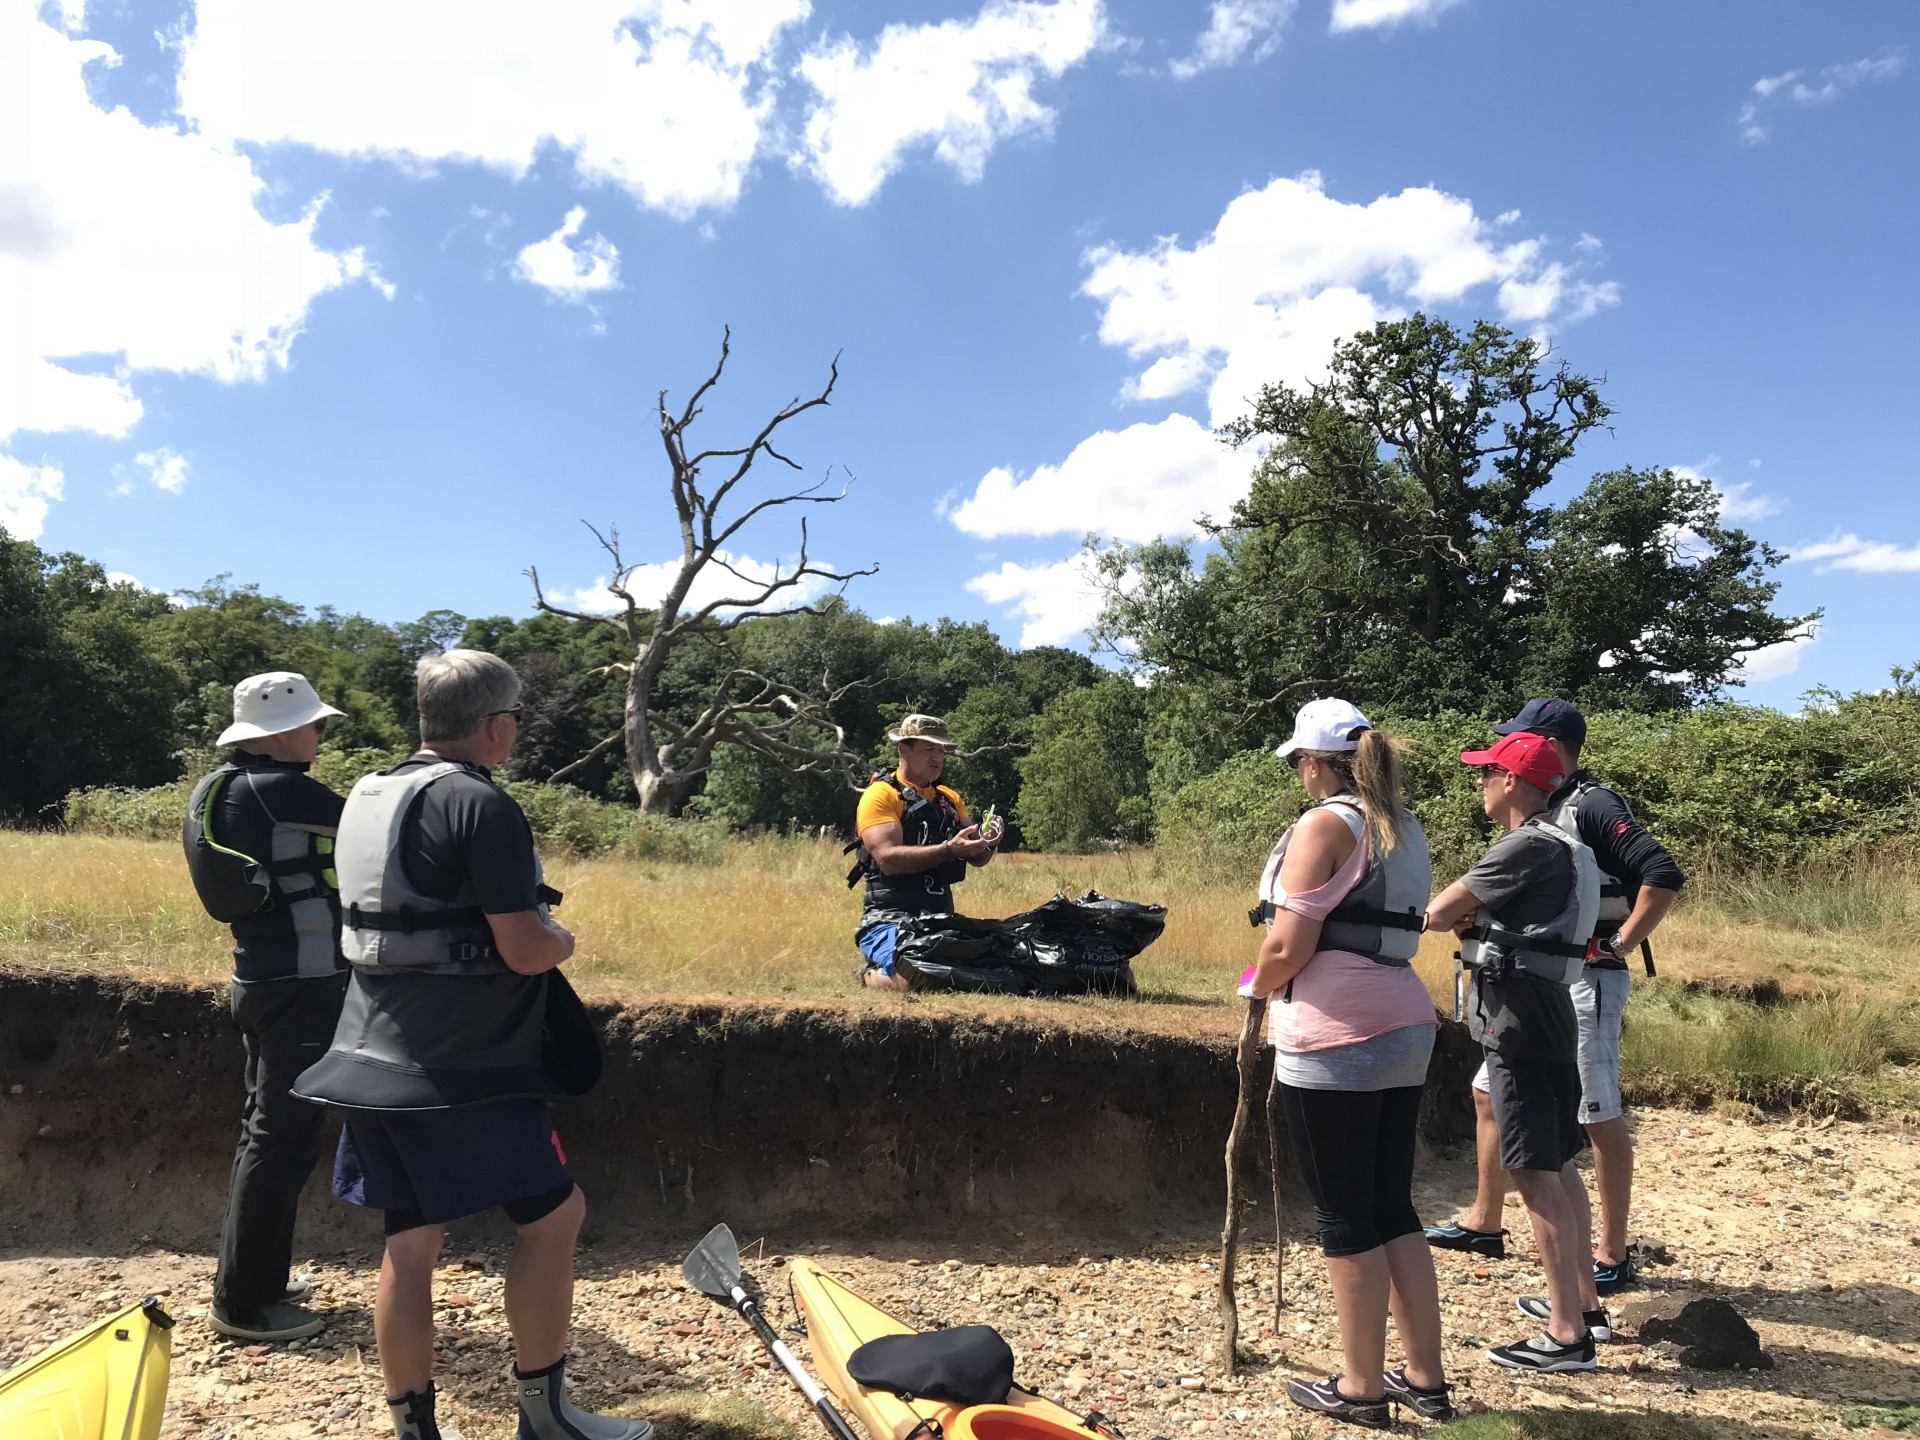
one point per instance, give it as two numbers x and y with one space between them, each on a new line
714 1266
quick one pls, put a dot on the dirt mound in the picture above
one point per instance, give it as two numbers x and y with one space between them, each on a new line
119 1105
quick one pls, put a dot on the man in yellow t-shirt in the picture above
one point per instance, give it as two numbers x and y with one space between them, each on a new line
916 843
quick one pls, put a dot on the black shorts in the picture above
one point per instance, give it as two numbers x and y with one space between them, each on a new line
1536 1104
428 1167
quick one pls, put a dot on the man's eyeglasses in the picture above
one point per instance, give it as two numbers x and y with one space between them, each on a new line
1487 772
513 710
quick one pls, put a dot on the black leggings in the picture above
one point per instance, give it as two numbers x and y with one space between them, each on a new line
1355 1150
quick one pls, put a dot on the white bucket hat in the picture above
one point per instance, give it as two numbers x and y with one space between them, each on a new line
272 704
1326 725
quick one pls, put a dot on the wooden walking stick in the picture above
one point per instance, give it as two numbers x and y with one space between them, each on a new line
1248 1062
1276 1162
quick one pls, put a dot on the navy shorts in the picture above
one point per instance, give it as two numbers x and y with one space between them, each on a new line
428 1167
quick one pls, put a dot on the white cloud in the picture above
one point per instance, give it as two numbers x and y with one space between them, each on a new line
131 244
165 469
1381 14
1850 552
959 86
570 272
1289 270
1828 84
666 99
121 577
1055 601
1134 484
1739 501
26 491
648 585
1236 30
1771 662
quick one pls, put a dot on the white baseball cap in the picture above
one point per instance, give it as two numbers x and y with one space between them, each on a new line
272 704
1326 725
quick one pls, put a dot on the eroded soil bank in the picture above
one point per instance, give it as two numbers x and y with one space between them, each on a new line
119 1104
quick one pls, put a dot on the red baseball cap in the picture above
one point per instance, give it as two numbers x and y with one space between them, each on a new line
1527 755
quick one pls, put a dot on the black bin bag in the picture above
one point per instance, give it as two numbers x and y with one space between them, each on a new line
966 1365
1064 947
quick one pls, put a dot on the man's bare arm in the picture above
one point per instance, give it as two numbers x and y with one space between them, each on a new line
530 942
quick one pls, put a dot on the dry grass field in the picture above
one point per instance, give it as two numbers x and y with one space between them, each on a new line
774 919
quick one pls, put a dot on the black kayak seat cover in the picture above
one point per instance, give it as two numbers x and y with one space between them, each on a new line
965 1365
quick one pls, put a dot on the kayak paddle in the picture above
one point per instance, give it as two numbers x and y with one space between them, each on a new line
714 1270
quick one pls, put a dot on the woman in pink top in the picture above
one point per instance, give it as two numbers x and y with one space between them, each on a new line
1344 894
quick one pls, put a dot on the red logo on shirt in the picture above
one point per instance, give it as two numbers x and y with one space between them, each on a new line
1619 827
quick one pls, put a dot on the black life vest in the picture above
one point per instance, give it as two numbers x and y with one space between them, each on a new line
233 885
927 820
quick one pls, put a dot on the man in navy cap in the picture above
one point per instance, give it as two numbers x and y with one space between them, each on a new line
1639 881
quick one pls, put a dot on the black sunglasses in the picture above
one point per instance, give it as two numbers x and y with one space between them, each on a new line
513 710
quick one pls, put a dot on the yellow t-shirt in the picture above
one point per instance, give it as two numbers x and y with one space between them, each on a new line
880 804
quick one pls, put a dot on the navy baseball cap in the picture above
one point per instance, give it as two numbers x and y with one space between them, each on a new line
1548 717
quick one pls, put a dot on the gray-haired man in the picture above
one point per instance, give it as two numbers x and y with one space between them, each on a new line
458 1027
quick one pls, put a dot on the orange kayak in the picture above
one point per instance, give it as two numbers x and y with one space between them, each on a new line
839 1322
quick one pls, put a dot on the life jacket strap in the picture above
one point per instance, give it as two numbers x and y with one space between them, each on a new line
1513 940
408 920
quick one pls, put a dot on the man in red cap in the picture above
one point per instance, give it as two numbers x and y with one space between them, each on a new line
1525 912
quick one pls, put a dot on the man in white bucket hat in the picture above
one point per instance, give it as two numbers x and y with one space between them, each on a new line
259 843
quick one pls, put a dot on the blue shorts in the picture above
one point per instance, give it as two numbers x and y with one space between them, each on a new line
435 1166
876 942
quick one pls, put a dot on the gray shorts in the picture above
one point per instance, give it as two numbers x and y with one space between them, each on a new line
1599 999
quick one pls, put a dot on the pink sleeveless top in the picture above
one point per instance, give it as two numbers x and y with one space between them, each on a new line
1341 998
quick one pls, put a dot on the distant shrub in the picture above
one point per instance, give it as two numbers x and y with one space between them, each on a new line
1732 790
564 820
153 814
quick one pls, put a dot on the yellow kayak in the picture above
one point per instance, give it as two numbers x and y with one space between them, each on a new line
839 1322
108 1382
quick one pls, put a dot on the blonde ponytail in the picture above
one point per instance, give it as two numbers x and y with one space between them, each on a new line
1372 772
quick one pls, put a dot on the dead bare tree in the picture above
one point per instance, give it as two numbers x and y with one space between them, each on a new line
792 726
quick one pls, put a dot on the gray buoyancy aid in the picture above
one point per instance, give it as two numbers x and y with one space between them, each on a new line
433 1018
387 923
926 820
1555 950
292 882
1616 892
1383 915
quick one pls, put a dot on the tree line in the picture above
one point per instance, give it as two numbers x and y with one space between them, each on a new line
1411 539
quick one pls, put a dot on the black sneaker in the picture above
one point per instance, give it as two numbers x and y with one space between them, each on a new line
1429 1403
1323 1397
274 1323
1546 1355
1535 1307
1609 1278
1452 1236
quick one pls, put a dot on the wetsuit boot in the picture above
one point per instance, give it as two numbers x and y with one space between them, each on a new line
547 1414
413 1417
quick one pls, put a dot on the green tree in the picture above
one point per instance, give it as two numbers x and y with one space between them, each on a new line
85 702
1396 547
1084 783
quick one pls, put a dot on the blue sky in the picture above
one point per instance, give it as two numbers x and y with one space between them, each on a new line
368 303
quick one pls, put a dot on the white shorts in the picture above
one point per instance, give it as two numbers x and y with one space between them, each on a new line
1599 997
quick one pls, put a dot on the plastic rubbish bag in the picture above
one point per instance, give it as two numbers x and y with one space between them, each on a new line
1064 947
